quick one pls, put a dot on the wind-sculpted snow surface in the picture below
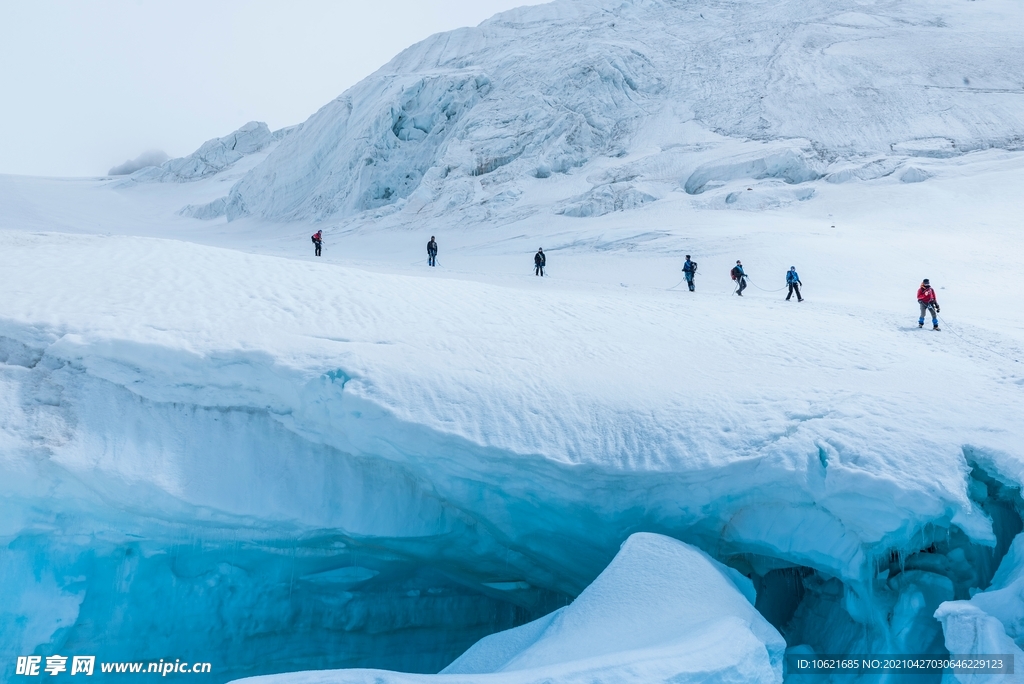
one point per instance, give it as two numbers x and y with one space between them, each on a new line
662 611
473 113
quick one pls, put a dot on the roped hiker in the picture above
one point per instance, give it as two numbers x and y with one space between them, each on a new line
740 277
793 281
318 241
539 262
432 252
926 298
689 270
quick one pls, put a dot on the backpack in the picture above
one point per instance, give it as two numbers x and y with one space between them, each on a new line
735 273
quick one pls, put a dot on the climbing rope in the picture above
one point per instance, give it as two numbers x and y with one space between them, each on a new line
695 274
764 290
946 325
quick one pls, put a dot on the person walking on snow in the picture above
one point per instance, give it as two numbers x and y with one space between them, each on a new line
318 241
539 262
926 298
793 280
740 277
431 252
689 270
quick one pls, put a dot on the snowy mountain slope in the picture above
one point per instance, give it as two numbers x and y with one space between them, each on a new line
665 86
661 611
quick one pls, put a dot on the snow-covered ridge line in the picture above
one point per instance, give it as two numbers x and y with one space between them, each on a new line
332 411
214 155
584 86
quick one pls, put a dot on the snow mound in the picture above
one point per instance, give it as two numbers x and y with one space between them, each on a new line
789 165
912 174
655 588
661 611
205 212
878 168
605 199
542 91
149 158
939 148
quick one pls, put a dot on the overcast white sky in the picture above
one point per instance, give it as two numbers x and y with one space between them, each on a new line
86 85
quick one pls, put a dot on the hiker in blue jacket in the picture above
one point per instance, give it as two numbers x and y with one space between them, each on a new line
793 280
689 270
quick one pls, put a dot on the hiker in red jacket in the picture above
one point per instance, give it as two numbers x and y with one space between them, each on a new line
926 298
318 241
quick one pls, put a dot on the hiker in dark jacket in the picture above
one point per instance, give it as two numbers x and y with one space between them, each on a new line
318 241
431 251
740 277
793 281
539 262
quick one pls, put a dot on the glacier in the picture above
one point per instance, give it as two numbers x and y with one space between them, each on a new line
217 447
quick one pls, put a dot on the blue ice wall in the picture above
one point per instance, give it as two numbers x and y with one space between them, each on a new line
247 604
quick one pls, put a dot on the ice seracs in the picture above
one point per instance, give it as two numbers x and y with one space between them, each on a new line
214 155
677 92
